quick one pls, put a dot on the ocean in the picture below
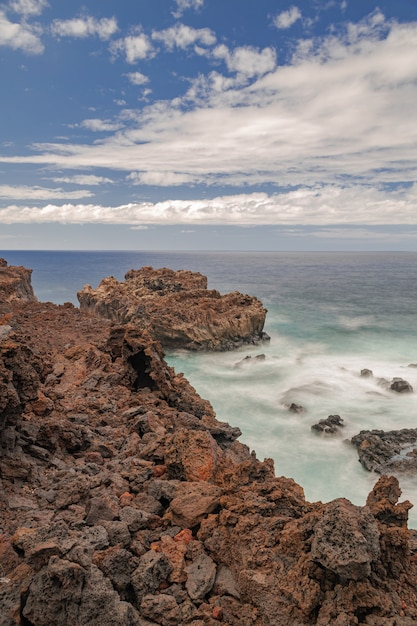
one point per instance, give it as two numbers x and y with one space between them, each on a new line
330 315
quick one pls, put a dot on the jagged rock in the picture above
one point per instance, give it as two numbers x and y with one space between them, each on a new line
366 373
124 501
15 284
387 451
153 569
346 540
330 425
201 575
177 309
193 502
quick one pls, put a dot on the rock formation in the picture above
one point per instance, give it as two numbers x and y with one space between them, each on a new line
387 451
177 309
15 283
125 502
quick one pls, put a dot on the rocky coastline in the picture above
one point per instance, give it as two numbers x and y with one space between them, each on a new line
125 502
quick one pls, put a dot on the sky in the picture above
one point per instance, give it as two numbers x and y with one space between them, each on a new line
208 124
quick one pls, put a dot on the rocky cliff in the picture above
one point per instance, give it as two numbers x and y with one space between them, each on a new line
177 309
125 502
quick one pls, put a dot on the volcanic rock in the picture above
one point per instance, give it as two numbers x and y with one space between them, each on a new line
330 425
177 309
15 284
387 451
124 502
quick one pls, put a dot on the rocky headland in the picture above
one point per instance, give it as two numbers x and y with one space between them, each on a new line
125 502
177 309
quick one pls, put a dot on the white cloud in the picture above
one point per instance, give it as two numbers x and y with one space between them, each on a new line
287 18
247 60
24 192
97 125
135 47
28 7
182 5
340 115
136 78
17 36
83 179
182 36
318 206
159 179
83 27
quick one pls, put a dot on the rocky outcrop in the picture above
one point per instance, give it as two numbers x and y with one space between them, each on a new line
124 501
177 309
15 283
387 451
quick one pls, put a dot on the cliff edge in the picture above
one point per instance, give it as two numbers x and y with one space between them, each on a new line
125 502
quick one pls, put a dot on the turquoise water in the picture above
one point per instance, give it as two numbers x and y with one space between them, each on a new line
330 315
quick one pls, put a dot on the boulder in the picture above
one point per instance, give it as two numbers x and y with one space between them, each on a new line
346 540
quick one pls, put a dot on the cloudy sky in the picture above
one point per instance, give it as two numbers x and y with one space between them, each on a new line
208 124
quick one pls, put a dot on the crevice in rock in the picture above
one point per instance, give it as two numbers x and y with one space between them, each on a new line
141 364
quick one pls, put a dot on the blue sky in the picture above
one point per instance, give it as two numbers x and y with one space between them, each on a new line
208 124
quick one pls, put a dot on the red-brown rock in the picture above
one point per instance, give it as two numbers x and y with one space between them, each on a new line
177 309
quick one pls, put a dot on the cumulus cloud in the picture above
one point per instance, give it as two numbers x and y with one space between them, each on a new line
24 192
28 7
136 78
82 27
182 36
247 60
22 36
287 18
135 47
317 206
334 125
182 5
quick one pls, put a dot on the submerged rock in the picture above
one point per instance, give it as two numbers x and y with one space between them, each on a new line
178 310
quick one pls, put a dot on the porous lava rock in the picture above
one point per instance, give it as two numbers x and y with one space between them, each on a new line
387 451
125 502
177 309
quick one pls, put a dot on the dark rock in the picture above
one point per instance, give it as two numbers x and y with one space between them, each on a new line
387 451
400 385
201 577
366 373
248 360
153 569
346 540
296 408
330 425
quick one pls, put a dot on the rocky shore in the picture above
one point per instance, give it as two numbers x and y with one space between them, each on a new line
125 502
